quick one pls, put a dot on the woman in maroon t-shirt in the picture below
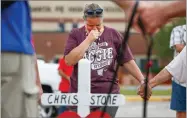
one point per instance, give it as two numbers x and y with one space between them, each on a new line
100 45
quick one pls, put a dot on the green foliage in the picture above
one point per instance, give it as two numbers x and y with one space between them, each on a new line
180 21
161 46
156 70
162 39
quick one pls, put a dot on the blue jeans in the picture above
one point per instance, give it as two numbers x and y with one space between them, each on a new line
178 98
61 109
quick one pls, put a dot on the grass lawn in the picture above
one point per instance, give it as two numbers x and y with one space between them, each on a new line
155 92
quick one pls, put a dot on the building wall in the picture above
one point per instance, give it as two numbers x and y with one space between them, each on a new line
47 26
48 14
71 9
50 44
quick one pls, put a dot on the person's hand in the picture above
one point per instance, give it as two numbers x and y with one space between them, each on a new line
153 18
128 13
151 14
141 7
93 35
141 91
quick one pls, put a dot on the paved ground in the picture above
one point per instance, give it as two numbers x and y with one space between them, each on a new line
136 98
155 110
160 87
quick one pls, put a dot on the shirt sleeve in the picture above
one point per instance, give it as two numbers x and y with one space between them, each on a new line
71 42
127 54
65 68
177 67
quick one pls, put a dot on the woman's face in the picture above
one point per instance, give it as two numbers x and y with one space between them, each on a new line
93 23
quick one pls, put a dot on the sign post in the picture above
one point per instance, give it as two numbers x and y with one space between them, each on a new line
84 82
83 98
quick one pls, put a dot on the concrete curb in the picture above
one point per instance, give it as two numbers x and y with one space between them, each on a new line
152 99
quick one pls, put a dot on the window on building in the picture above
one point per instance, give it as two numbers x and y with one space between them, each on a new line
143 63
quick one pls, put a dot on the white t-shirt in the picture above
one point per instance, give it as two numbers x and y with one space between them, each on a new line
178 68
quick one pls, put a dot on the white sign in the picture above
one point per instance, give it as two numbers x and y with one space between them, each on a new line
72 99
71 9
83 99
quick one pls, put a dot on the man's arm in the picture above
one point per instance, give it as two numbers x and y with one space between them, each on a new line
125 4
162 13
179 47
160 78
176 9
172 9
176 39
175 69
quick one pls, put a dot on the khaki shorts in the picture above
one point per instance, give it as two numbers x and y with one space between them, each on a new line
19 92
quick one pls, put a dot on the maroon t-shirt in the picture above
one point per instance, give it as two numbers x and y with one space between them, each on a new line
102 53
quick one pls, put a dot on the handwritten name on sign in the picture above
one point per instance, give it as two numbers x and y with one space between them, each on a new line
75 99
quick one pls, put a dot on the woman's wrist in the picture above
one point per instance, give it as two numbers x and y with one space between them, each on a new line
142 81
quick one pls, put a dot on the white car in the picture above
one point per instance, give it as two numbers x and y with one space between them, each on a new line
50 80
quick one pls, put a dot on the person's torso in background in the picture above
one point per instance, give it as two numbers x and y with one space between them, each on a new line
65 84
178 37
182 31
16 28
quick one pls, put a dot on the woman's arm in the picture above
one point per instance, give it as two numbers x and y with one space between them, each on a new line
78 52
134 70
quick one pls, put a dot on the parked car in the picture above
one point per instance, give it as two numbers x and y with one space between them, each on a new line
50 80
